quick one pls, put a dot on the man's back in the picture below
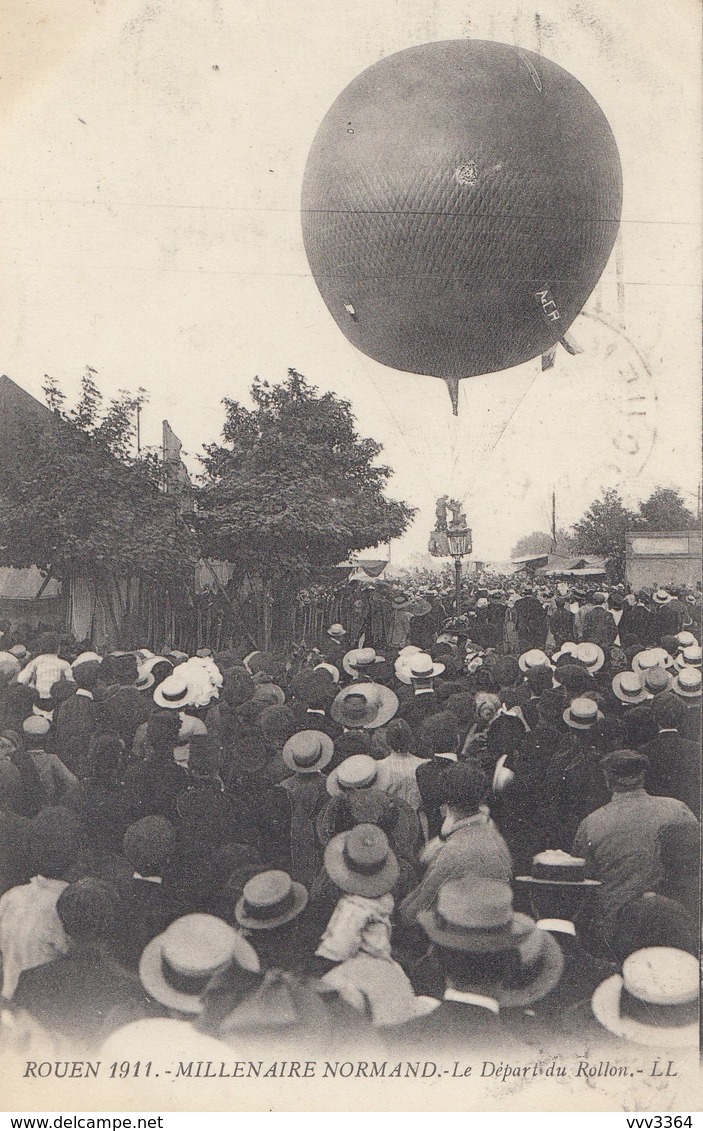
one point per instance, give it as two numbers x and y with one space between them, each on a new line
674 769
620 842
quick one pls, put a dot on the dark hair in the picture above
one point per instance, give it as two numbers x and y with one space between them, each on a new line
668 710
539 679
162 732
107 754
399 737
439 734
640 727
47 644
463 786
506 671
466 969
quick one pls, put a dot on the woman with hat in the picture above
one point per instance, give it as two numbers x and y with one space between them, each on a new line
357 939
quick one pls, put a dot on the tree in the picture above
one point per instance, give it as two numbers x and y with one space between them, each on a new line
665 510
291 490
602 529
76 500
539 542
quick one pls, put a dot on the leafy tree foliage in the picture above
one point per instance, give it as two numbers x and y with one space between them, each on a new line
293 488
602 528
539 542
665 510
76 498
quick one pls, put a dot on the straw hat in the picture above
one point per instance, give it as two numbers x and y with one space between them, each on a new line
145 677
402 661
308 751
336 631
687 683
533 658
329 668
661 597
568 648
359 660
367 705
651 658
554 867
420 665
269 900
359 771
176 966
592 655
689 657
654 1001
361 862
627 686
475 915
581 714
685 639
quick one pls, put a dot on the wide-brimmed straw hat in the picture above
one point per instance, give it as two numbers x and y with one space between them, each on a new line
661 596
581 714
690 657
360 660
331 669
475 915
367 705
308 751
628 688
592 655
655 999
556 868
146 677
174 692
533 658
336 631
687 683
269 900
359 771
176 966
361 862
402 660
420 665
568 648
651 658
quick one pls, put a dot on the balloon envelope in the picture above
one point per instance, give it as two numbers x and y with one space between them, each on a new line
459 204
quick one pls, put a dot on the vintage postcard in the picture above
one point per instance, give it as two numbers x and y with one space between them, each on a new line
350 556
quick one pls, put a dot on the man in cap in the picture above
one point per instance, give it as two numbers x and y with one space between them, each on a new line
469 843
147 903
438 744
620 841
575 777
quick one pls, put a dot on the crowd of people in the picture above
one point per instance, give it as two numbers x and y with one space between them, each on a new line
484 834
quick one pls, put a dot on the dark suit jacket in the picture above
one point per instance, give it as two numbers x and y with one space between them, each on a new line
636 626
76 724
83 995
418 708
147 910
674 769
429 781
531 622
599 627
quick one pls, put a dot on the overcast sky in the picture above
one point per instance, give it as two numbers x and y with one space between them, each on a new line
152 158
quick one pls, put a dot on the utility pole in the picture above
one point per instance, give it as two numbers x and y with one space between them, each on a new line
139 430
554 521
